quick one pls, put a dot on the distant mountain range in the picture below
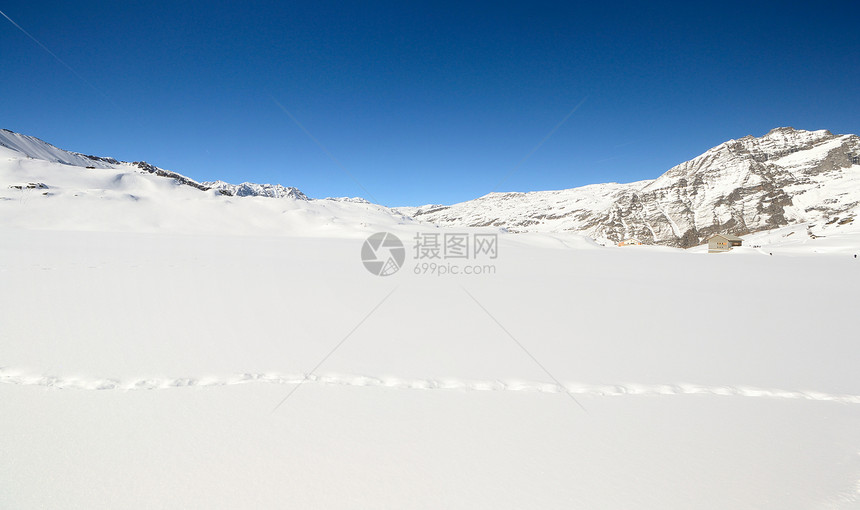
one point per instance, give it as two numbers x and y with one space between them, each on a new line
785 177
249 189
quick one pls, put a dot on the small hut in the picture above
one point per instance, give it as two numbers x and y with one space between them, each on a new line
723 242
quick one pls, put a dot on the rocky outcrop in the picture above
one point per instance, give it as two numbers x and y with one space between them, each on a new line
249 189
741 186
181 179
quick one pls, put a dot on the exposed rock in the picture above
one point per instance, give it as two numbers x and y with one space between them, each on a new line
741 186
181 179
249 189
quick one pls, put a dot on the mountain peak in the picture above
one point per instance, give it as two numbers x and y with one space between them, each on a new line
788 130
250 189
784 129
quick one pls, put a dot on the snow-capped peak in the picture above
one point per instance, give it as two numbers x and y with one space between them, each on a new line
250 189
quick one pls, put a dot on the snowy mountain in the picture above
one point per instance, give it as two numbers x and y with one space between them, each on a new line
250 189
34 148
785 177
44 187
355 200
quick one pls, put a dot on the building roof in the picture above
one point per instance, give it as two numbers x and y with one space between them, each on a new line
727 237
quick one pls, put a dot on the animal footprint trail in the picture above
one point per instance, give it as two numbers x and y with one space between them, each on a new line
13 377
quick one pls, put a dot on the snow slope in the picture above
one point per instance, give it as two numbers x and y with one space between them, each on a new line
34 148
39 194
165 346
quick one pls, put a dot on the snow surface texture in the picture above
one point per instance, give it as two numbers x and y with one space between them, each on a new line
787 176
151 331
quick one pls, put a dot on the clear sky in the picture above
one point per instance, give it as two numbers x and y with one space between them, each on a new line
423 102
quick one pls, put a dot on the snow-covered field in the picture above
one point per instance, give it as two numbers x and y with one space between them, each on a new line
165 347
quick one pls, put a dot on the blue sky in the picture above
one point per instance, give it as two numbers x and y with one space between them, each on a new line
423 102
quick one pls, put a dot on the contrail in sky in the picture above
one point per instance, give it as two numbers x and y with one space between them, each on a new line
58 59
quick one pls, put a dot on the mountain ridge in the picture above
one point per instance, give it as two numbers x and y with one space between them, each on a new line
37 148
739 187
